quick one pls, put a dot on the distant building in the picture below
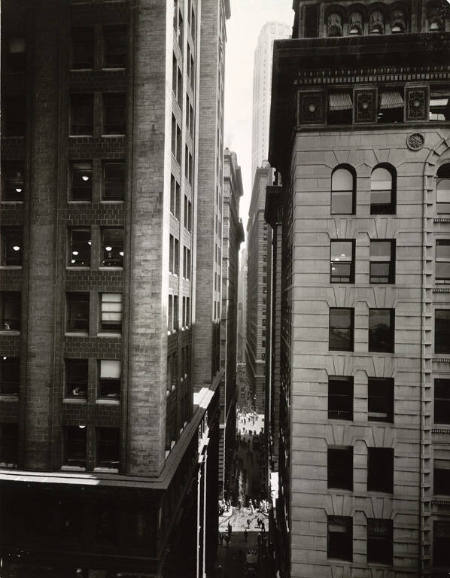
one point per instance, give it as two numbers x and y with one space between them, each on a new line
233 235
242 305
360 132
258 288
112 131
262 86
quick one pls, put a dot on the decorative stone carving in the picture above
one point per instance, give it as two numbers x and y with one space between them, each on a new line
311 108
334 25
365 105
415 141
416 103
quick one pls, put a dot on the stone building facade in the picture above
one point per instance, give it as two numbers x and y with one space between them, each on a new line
105 110
360 134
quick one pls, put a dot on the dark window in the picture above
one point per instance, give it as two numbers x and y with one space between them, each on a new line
342 192
82 47
443 189
383 192
16 55
441 543
341 329
439 104
174 136
340 108
342 266
80 248
11 246
115 43
81 181
112 247
379 541
340 397
75 446
76 378
442 331
174 197
381 399
113 181
442 401
382 261
441 479
14 115
311 21
178 145
340 538
78 312
10 310
390 106
13 181
9 444
81 114
111 312
114 113
108 447
442 274
381 330
109 379
340 468
380 470
9 375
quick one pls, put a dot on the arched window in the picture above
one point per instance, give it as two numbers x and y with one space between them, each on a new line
355 24
443 189
334 25
398 21
376 22
343 191
382 191
436 16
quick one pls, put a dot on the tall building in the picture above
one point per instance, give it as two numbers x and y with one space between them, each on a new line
233 235
108 460
360 134
242 305
262 85
258 288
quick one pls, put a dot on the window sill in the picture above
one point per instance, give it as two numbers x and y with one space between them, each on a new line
105 401
11 202
73 468
78 267
77 202
109 334
107 470
90 69
75 400
8 465
113 135
76 334
112 201
81 136
11 267
113 68
9 332
340 560
106 268
7 397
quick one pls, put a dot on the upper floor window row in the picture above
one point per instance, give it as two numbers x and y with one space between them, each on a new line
85 111
357 22
383 187
90 50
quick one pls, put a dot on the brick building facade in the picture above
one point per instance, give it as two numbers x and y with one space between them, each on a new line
105 106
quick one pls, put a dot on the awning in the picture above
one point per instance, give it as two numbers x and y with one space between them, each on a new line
391 99
340 101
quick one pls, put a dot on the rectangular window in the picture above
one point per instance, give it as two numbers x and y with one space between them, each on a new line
80 248
442 331
81 181
115 46
439 104
381 399
311 21
10 310
74 453
174 197
178 145
112 247
111 313
442 261
14 115
13 181
174 136
82 55
77 312
341 329
340 468
179 88
340 397
109 373
441 541
11 245
108 447
9 444
114 113
382 261
176 323
379 541
342 262
171 253
81 114
113 181
340 538
191 120
77 378
176 264
9 375
16 55
441 479
170 313
442 401
382 330
380 470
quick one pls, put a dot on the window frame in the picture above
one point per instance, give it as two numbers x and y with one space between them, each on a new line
340 466
9 451
10 300
384 208
376 542
335 261
376 383
13 236
114 113
84 45
77 297
444 347
345 522
441 401
74 382
442 278
380 470
443 176
373 341
115 382
382 260
351 191
342 412
98 441
113 258
351 329
9 386
75 247
86 175
113 198
75 462
84 127
13 186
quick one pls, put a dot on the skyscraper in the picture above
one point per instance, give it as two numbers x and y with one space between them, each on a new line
360 134
262 85
108 461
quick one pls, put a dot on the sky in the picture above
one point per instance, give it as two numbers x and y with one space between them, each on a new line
247 19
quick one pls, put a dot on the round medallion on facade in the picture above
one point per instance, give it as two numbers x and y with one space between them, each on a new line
415 141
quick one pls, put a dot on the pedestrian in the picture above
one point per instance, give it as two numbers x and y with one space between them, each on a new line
248 523
245 534
230 528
